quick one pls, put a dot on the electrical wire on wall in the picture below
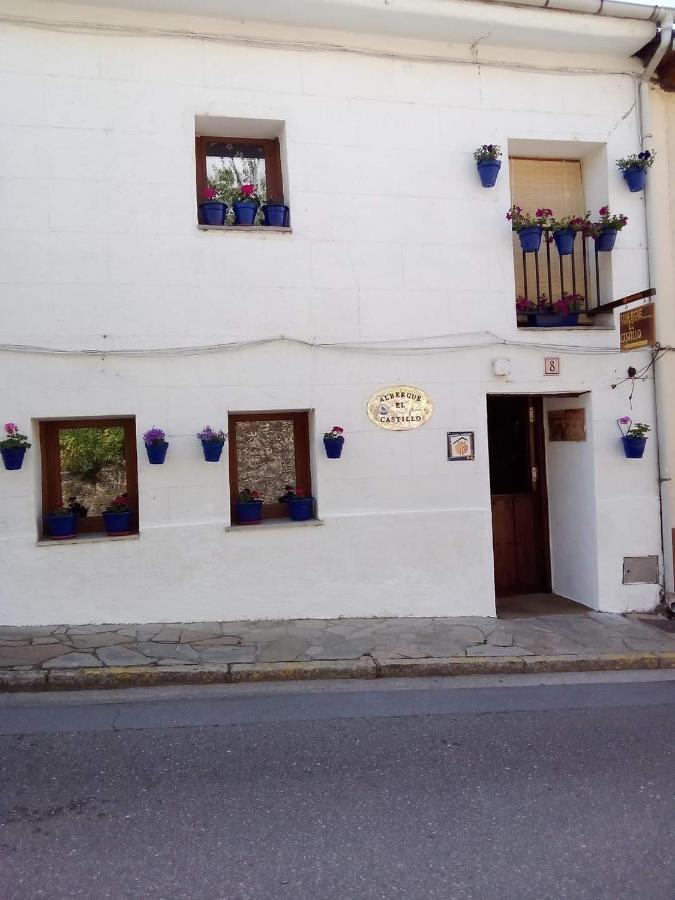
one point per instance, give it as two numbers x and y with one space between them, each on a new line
404 346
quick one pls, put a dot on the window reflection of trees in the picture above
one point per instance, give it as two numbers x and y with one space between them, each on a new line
266 456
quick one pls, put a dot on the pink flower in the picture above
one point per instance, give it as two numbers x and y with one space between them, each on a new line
248 189
604 210
11 428
208 193
625 420
337 429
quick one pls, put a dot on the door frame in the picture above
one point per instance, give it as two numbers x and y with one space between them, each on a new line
536 456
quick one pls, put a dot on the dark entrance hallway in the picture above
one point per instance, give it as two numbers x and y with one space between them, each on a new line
518 488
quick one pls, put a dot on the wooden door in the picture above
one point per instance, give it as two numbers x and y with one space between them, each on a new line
518 488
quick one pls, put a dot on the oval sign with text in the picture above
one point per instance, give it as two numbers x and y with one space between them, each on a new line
400 408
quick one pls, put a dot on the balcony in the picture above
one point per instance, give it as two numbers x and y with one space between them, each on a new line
545 276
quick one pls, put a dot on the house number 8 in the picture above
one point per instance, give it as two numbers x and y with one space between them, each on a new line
552 365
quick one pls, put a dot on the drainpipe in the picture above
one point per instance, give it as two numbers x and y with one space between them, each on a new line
654 203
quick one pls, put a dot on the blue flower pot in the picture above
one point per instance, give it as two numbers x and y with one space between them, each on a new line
530 238
244 212
604 242
564 241
552 320
212 450
249 513
488 169
634 447
61 526
276 214
334 447
157 453
12 457
213 213
117 522
635 179
301 510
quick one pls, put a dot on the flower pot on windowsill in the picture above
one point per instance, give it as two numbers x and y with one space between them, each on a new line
245 212
117 522
12 457
636 179
564 241
301 509
604 242
212 212
488 169
530 238
212 450
60 527
634 447
275 214
249 513
552 320
157 452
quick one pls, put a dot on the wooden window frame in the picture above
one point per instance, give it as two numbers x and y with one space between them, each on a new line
51 467
303 474
275 187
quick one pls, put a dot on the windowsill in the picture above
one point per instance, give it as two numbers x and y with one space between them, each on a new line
94 538
263 229
273 524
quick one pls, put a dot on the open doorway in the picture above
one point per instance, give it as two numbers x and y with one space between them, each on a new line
520 527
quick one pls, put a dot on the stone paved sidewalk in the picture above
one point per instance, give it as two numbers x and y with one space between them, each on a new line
33 657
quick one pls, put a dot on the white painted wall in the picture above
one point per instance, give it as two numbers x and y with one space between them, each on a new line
393 239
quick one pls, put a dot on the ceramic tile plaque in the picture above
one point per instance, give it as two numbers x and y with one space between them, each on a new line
399 408
460 445
567 425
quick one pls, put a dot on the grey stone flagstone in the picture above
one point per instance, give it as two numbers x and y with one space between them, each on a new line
122 656
73 661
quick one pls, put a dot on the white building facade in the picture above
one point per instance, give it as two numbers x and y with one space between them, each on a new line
397 268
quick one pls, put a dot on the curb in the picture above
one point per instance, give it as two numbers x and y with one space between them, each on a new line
110 678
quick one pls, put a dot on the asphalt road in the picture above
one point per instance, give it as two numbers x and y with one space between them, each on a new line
351 791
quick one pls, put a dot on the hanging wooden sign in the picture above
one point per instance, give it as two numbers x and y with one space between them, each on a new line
399 408
637 328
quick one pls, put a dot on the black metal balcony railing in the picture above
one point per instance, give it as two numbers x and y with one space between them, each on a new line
543 277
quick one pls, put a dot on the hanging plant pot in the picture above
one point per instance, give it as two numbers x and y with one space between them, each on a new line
212 212
564 241
604 242
212 450
276 214
117 522
157 453
249 513
634 447
636 179
334 447
552 320
301 508
60 527
488 169
12 457
244 212
530 238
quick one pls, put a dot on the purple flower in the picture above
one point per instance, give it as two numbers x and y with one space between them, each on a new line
209 434
154 435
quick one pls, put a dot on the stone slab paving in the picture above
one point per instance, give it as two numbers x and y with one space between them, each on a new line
188 644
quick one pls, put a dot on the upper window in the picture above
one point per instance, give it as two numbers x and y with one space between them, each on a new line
225 164
549 184
269 451
86 464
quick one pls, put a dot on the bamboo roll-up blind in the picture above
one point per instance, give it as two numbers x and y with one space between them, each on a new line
556 184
